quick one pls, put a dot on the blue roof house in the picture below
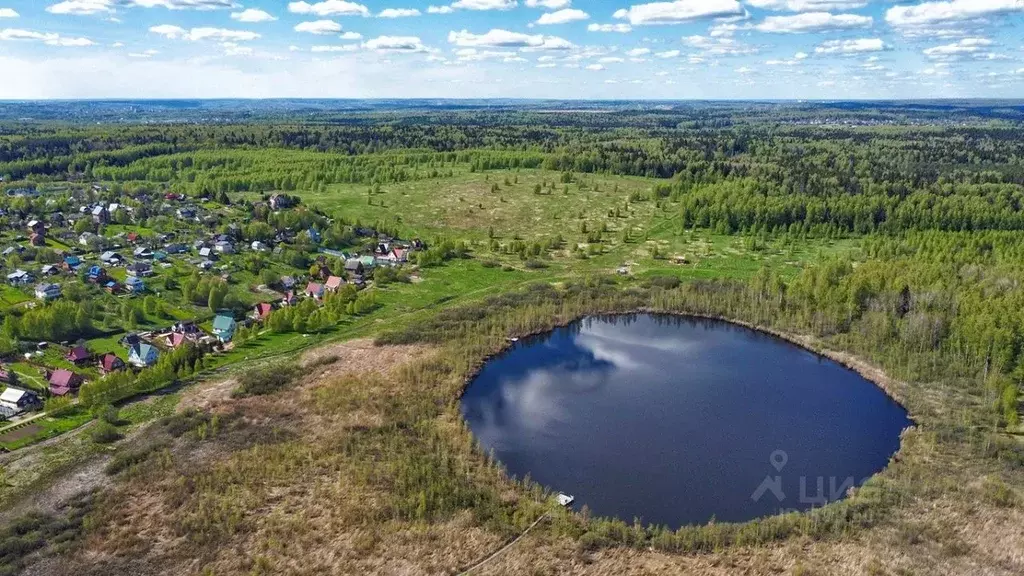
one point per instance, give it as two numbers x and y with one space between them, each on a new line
142 355
135 284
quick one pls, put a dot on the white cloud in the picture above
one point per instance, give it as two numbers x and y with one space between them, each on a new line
146 54
719 46
329 8
335 48
351 36
678 12
637 52
8 13
182 4
48 38
319 27
82 7
812 22
595 67
203 33
404 44
563 17
252 16
807 5
611 60
485 4
549 4
964 46
857 46
498 38
232 49
620 28
934 13
745 70
440 9
547 65
474 55
668 54
398 13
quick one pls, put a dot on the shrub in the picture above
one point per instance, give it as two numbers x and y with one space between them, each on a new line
59 406
665 282
125 460
183 422
105 433
266 380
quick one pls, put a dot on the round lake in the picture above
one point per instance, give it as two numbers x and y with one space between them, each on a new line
677 420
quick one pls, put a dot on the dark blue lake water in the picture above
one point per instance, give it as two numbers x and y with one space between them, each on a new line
678 421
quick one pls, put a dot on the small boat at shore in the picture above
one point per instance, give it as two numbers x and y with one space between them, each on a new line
565 499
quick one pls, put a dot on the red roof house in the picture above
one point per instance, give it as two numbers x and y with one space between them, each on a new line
334 283
111 363
263 310
64 382
78 355
176 339
314 290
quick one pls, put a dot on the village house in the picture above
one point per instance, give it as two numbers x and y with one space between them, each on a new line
315 290
88 239
143 354
110 363
368 262
72 262
96 274
262 310
135 285
287 282
49 270
280 202
258 246
37 240
19 278
110 257
63 382
101 215
354 266
334 283
224 327
16 401
140 269
48 291
36 227
175 339
78 355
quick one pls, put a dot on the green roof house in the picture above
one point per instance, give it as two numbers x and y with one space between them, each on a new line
224 327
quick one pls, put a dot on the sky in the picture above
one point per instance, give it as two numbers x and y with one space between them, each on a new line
565 49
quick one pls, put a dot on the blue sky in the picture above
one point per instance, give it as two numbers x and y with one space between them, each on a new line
511 48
